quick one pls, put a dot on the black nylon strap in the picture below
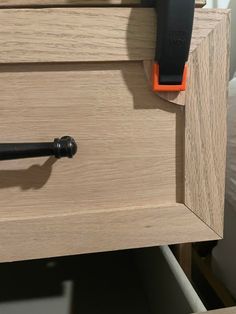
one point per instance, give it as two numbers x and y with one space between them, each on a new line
174 32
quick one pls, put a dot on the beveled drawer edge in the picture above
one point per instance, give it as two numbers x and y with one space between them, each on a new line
98 231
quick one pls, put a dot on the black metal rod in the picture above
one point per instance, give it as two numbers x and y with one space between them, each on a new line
59 148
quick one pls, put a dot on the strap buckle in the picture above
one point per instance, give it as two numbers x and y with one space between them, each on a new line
174 32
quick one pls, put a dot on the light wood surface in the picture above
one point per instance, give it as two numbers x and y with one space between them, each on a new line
25 3
205 125
87 34
130 141
205 121
99 231
123 187
217 20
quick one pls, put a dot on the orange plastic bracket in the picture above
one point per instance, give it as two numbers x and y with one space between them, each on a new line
167 88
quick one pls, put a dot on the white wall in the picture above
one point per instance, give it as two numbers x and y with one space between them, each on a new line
217 3
230 4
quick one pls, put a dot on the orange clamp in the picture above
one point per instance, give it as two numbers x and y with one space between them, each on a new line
167 88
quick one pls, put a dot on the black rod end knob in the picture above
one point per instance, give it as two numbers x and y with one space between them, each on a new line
65 147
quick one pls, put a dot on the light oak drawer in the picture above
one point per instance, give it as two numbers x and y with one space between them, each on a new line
68 3
150 168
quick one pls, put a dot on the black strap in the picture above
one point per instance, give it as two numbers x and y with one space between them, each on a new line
174 32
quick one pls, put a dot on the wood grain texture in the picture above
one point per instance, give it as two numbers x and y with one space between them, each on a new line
112 34
29 3
214 19
205 120
130 141
99 231
205 126
119 190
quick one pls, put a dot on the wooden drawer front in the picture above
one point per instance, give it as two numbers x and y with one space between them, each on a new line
127 153
67 3
143 160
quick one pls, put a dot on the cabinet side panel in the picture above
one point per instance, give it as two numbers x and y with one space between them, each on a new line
205 133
